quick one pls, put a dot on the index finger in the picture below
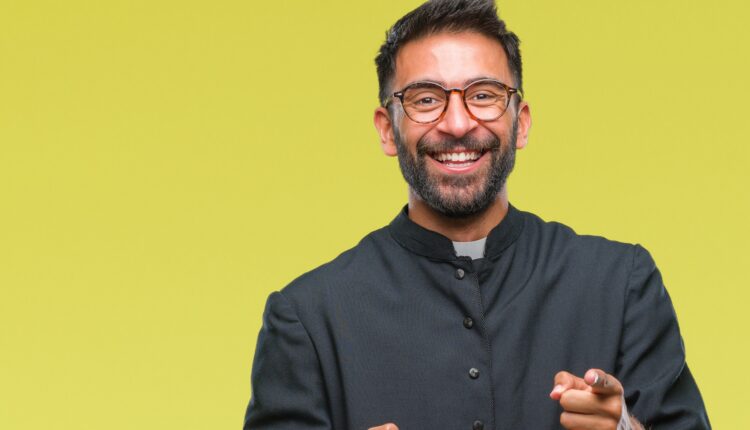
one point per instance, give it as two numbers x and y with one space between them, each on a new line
602 383
565 381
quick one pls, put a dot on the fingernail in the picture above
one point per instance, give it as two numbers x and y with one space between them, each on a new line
558 389
596 379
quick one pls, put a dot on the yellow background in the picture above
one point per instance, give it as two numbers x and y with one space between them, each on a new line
165 165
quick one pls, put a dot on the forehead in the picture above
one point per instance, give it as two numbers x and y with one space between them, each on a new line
451 59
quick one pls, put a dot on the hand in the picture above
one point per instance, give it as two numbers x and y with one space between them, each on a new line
389 426
594 402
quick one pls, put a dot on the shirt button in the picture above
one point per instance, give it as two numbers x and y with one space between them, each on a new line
468 322
478 425
460 273
474 373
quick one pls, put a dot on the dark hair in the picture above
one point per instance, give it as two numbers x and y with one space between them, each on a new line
453 16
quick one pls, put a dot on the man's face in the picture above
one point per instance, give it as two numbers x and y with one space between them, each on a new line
427 152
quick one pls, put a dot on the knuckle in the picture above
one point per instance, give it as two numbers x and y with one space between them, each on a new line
565 400
562 376
614 408
566 419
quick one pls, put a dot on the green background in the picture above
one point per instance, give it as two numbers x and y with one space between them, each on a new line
165 165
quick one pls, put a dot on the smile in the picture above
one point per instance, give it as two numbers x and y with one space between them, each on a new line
458 161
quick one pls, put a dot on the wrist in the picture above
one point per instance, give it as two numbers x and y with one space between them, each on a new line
627 421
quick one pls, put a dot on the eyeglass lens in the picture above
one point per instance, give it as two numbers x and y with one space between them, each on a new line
425 102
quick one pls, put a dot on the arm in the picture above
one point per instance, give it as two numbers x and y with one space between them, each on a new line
287 385
659 388
654 380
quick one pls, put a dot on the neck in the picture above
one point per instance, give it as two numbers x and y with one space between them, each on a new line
465 229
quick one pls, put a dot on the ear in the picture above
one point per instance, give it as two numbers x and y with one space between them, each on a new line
524 125
384 127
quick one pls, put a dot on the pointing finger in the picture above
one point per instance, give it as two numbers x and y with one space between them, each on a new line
602 383
565 381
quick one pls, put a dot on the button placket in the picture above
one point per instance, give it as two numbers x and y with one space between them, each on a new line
469 322
468 280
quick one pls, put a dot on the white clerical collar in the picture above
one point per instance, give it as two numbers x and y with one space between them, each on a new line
473 249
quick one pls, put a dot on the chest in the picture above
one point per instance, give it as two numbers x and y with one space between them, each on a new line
451 343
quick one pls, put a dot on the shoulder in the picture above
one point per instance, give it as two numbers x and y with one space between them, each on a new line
555 241
557 235
592 266
343 272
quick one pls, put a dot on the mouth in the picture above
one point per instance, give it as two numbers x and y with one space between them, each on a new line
459 160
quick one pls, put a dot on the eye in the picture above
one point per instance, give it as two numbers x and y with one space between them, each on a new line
425 101
485 97
424 98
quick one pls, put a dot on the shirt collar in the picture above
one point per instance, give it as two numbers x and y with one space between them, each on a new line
434 245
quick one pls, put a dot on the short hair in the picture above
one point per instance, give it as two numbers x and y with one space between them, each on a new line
454 16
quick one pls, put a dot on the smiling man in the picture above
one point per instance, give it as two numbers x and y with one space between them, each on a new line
466 312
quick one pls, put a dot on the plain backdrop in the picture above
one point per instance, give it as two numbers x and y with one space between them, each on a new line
165 165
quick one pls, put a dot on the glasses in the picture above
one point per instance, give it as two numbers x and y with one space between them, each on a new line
426 102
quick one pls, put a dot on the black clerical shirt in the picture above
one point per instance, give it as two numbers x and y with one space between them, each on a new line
399 329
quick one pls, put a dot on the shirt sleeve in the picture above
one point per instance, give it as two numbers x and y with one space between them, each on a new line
287 385
659 389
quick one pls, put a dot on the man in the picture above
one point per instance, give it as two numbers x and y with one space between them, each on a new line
466 312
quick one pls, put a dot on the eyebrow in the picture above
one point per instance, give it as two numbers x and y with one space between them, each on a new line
464 84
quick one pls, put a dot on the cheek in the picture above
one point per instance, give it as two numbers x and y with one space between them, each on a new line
411 135
500 132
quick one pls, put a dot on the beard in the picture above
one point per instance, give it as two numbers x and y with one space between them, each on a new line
458 196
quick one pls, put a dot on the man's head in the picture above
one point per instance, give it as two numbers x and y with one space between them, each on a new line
457 162
445 16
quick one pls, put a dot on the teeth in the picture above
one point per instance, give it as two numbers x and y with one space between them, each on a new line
458 156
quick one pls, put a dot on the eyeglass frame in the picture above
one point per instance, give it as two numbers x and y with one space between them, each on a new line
462 92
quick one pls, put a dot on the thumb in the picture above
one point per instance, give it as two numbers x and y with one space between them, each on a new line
602 383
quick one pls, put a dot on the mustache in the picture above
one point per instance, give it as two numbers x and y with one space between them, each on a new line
469 143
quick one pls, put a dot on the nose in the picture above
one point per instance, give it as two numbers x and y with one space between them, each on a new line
456 121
